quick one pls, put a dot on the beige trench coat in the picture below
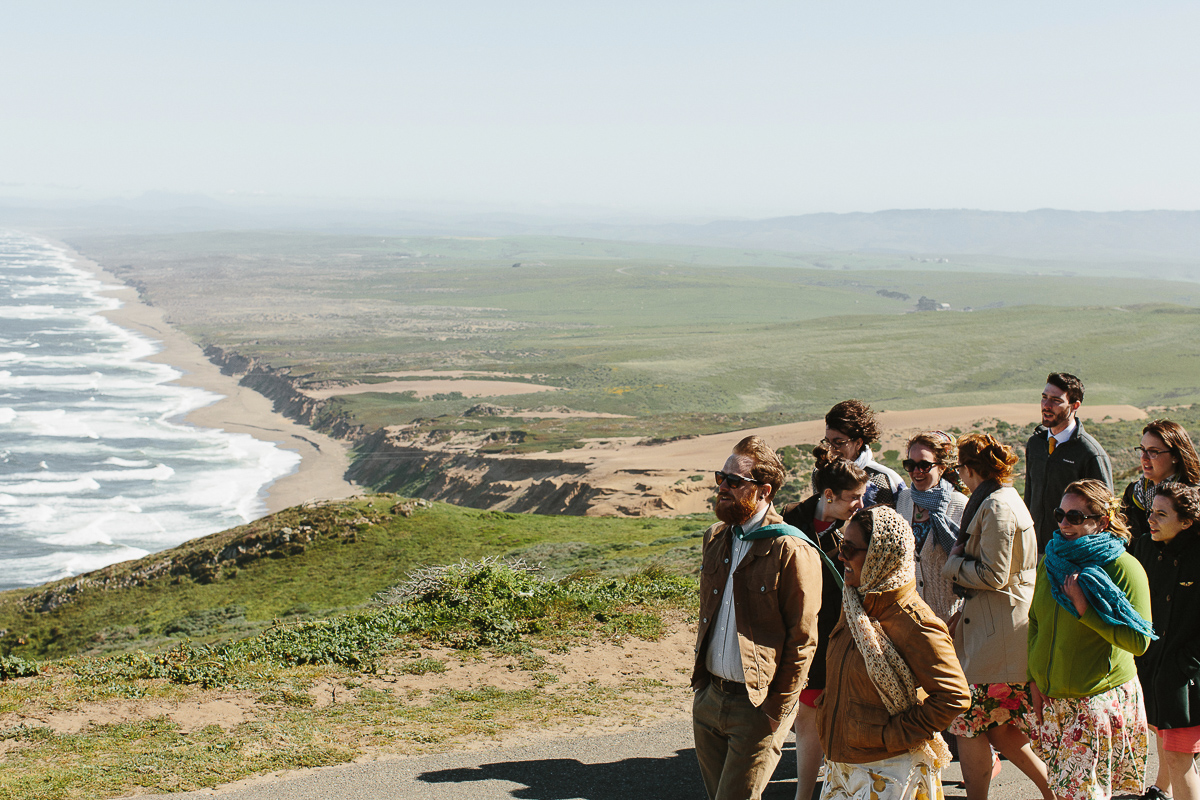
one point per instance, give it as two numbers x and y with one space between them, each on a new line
999 565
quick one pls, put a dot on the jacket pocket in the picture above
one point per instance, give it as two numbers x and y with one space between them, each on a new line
864 726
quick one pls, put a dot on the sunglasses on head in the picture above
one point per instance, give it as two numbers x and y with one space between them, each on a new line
917 466
1074 517
734 481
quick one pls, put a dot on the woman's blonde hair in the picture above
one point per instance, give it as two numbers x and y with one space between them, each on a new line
987 457
1100 500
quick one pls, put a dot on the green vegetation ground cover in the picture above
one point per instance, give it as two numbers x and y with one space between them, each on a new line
488 606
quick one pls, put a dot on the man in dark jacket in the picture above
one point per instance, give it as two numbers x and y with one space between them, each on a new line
1059 453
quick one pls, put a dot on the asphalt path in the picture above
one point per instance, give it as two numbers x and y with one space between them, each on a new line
657 761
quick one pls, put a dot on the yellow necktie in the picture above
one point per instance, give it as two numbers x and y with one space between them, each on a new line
1053 444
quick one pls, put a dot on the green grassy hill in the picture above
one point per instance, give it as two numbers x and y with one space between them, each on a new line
313 562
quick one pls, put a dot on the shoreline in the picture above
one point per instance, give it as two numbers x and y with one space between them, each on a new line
323 459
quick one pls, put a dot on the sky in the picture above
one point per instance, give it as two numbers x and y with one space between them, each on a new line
674 109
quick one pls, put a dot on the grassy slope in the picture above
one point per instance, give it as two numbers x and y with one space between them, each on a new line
334 573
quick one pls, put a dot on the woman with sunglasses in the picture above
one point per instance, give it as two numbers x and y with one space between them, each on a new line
1088 619
993 564
933 506
880 736
850 430
838 488
1167 454
1170 668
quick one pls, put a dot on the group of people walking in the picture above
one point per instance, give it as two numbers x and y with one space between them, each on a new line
889 620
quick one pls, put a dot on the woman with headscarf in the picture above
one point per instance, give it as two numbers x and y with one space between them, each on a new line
993 565
879 735
850 430
933 506
1167 455
1089 617
838 488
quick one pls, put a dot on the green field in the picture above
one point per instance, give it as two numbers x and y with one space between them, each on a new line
667 334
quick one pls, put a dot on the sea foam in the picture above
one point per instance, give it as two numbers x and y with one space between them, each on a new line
97 466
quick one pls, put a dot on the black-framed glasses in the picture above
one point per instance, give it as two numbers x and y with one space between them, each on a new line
917 466
847 550
1074 517
1149 452
734 481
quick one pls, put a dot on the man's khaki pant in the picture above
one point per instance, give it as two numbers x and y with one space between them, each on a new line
734 744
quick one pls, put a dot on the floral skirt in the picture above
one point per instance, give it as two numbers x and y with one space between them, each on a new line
994 704
911 776
1097 746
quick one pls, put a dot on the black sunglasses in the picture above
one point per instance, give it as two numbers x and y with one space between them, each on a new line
847 550
1074 517
734 481
915 466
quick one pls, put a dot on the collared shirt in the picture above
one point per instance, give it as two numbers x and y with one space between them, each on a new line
1066 433
724 656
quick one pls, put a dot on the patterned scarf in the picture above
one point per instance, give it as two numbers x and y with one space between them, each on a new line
1087 557
936 500
867 459
1144 490
888 565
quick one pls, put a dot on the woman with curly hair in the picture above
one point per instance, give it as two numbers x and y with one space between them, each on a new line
1167 454
1170 668
1088 619
879 734
933 506
993 564
850 430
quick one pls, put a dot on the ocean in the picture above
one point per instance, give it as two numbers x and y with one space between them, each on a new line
96 463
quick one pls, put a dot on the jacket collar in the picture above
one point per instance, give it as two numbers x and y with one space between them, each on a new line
876 603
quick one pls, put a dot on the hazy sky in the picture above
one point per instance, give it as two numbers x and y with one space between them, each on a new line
747 108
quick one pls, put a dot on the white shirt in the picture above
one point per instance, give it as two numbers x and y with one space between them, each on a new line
1061 438
724 656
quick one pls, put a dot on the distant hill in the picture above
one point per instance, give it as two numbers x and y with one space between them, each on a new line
1046 233
1113 236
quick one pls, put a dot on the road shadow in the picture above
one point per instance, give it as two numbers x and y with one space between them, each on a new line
675 777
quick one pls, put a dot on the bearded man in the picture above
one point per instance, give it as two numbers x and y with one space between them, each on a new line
1059 453
760 591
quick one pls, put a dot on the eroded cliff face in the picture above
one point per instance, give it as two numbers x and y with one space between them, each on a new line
284 391
449 466
395 459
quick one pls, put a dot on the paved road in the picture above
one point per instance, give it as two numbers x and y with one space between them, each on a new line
656 762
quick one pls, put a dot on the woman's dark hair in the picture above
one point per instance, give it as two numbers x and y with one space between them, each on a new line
1185 500
866 523
987 457
855 419
1180 444
946 453
1100 500
835 473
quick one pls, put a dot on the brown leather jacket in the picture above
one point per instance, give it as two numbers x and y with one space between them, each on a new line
776 617
852 721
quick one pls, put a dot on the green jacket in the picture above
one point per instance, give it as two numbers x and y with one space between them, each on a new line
1071 657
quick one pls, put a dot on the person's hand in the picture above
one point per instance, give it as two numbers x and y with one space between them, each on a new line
958 549
953 623
1038 698
1073 591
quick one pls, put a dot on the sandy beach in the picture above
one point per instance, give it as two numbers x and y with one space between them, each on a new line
323 460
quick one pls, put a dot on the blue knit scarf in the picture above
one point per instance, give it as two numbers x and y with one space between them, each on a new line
1087 556
937 501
